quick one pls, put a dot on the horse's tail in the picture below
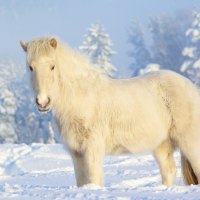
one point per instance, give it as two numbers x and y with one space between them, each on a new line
187 171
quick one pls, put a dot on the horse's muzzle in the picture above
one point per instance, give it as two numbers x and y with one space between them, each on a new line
43 106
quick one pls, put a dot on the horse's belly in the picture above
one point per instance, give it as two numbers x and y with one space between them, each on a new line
118 149
140 136
134 147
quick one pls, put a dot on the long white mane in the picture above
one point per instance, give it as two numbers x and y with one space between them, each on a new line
76 62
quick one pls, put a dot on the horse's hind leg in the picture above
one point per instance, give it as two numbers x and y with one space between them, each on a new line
164 156
190 148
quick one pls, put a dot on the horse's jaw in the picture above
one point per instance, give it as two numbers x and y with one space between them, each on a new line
45 109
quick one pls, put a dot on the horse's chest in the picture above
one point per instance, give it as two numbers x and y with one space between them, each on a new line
75 133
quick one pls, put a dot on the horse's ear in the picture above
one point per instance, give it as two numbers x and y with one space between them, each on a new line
23 45
53 43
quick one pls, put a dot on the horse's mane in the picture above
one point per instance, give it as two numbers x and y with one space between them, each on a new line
80 61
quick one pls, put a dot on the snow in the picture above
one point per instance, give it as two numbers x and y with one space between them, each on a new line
197 64
185 65
45 171
150 68
189 52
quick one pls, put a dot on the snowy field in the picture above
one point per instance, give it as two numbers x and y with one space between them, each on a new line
45 172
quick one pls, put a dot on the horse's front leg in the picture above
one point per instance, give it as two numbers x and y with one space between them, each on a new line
79 168
88 165
94 157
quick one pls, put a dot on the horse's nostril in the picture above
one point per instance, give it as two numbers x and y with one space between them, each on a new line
49 100
37 101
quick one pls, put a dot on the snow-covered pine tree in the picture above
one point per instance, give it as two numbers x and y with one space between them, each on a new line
8 105
139 53
7 116
98 45
191 65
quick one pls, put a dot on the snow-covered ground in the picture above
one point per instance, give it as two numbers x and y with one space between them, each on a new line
46 172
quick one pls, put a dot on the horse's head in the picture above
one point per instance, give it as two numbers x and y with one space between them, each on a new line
41 61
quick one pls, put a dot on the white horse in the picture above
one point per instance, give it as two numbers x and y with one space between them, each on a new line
97 115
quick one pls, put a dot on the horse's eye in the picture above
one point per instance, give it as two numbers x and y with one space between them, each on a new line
52 67
31 68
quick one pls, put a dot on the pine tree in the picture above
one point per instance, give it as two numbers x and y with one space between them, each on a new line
97 44
7 119
191 65
8 101
139 53
168 35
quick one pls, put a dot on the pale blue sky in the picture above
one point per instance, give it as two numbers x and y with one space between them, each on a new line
69 19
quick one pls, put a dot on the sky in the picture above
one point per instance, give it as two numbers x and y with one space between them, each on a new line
70 19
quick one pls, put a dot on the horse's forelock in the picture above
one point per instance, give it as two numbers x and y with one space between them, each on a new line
39 47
